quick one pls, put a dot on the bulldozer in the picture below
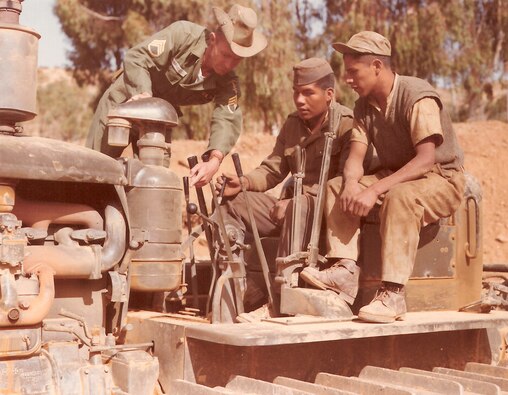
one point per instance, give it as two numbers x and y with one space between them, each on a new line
100 292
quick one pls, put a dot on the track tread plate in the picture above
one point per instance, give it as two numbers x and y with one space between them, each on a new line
473 386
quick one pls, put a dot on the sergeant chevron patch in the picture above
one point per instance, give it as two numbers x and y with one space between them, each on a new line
156 47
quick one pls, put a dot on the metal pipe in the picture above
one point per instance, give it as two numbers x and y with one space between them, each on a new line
40 215
65 261
39 307
116 239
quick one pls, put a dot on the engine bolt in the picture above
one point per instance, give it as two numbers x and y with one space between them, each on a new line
13 314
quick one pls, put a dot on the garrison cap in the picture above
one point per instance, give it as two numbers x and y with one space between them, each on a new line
311 70
365 42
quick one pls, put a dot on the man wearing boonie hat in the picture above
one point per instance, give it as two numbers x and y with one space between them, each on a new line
313 92
421 178
187 64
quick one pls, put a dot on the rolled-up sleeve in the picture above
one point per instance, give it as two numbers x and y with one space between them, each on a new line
359 133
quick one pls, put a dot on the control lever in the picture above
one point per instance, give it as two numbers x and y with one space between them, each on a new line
191 207
257 240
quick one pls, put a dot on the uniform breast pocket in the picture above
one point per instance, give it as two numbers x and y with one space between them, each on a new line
175 72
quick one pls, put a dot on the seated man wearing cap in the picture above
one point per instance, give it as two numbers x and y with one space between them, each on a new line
187 64
421 179
313 93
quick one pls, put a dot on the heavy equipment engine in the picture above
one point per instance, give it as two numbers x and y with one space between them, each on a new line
94 297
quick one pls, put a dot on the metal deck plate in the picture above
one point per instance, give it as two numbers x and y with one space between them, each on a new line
307 330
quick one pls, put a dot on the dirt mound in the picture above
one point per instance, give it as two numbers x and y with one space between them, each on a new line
485 146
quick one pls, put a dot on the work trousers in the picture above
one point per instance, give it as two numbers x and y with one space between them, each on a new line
405 209
235 214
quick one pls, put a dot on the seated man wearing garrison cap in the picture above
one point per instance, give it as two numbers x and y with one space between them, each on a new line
187 64
421 179
313 93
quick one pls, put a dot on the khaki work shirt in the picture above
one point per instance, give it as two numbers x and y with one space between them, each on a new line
168 66
281 161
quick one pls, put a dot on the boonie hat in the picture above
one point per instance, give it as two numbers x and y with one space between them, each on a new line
310 70
365 42
239 28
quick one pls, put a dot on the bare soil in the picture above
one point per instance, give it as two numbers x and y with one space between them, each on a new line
485 146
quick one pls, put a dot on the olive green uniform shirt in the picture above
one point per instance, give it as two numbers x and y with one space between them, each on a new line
168 65
281 161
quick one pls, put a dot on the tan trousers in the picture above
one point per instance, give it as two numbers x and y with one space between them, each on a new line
235 213
405 209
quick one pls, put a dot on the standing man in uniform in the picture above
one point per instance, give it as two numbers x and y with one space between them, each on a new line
420 182
186 64
313 93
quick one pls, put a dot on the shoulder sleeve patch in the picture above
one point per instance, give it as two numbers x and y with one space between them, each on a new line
156 48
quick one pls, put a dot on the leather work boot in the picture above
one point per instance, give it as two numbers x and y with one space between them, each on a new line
388 305
257 315
342 277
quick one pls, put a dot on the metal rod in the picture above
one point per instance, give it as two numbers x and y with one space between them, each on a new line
257 240
297 204
313 247
229 252
193 161
193 271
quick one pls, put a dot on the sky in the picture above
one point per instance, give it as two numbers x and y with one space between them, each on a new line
38 15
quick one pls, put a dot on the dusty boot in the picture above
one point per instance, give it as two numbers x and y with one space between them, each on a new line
257 315
388 305
342 278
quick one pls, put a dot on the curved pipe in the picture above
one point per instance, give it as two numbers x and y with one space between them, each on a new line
66 261
79 261
40 306
40 215
116 230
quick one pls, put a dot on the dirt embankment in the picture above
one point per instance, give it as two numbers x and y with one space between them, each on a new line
485 146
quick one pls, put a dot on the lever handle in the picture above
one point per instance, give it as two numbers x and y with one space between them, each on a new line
192 161
186 188
238 165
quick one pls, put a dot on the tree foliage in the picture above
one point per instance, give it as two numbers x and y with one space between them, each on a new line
102 30
452 43
458 42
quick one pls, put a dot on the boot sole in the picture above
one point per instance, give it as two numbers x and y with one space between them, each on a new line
318 284
380 319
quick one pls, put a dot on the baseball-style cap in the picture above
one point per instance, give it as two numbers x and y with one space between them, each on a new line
239 28
311 70
365 42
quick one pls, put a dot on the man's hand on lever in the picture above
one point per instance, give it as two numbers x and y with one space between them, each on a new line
202 173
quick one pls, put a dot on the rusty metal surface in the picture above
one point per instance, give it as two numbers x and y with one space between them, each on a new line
37 158
287 349
169 344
